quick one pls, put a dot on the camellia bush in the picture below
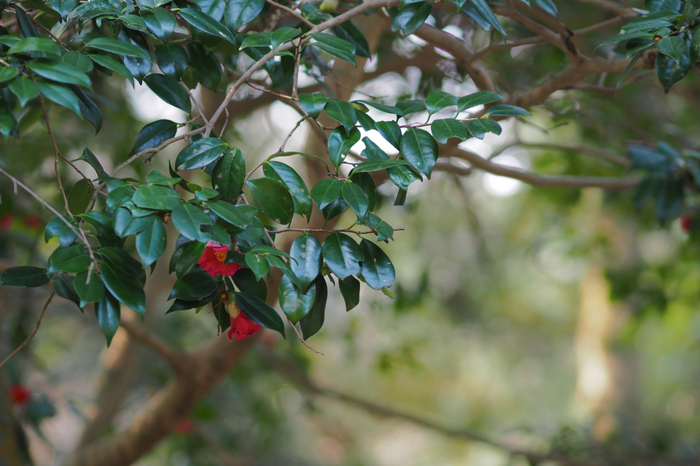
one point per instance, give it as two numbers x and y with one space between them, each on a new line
240 231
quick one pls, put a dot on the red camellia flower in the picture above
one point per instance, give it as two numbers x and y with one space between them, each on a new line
32 221
19 394
686 223
212 261
6 221
241 325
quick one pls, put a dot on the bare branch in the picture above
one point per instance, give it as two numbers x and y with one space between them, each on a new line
31 335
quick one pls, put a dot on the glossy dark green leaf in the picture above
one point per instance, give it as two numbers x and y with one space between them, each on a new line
476 99
92 160
658 5
113 65
356 198
59 227
194 286
273 198
228 176
670 71
409 18
449 128
485 11
71 259
258 264
673 46
160 22
246 280
295 303
351 33
340 142
63 286
282 35
313 321
89 292
384 230
36 46
260 312
480 126
188 219
90 111
207 24
391 132
342 112
313 104
79 196
437 100
108 313
377 270
63 7
118 47
547 5
154 134
306 263
125 288
335 46
123 263
258 39
156 198
342 255
303 205
350 289
326 191
695 46
200 153
203 67
506 110
151 242
8 124
186 257
238 215
184 305
60 72
24 276
125 224
171 59
420 150
241 12
381 107
25 89
169 90
378 165
7 73
25 24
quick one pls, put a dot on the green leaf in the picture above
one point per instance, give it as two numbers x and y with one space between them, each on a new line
350 289
547 5
60 72
186 257
260 312
437 100
282 35
91 159
108 313
378 165
118 47
694 47
188 219
194 286
9 72
273 198
24 89
238 215
391 132
36 46
79 196
476 99
113 65
160 22
480 126
25 24
200 153
183 305
88 108
409 18
383 229
258 264
657 5
156 198
420 150
342 112
123 263
24 276
670 71
63 286
312 104
626 37
340 143
207 24
383 108
228 176
59 227
286 175
172 60
203 68
240 12
342 255
351 33
313 321
89 292
153 135
169 90
246 280
295 303
356 198
125 224
326 191
409 107
335 46
485 11
125 288
506 110
377 270
71 259
449 128
151 242
260 39
63 7
306 263
672 46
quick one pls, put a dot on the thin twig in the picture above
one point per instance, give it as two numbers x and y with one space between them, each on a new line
297 15
301 339
29 338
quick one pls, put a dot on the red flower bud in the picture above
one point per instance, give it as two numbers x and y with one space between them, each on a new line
19 394
32 221
686 223
6 221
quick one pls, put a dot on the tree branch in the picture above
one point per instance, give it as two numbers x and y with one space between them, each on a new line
31 335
